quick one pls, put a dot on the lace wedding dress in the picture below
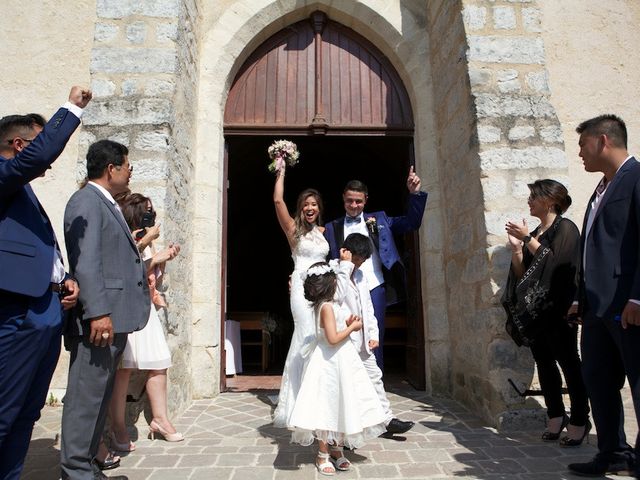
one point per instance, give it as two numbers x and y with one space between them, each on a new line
337 402
311 248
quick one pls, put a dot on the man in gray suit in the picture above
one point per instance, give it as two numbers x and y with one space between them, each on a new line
114 301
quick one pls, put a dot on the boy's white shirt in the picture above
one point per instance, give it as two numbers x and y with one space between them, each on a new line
347 293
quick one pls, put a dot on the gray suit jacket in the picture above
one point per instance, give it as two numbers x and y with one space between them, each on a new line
105 260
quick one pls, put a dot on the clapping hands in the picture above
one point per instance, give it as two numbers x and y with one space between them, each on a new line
516 232
167 254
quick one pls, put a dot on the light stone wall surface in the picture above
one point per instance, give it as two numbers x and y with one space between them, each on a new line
497 87
593 60
46 51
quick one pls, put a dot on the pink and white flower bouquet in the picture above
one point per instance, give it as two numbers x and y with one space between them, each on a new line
282 152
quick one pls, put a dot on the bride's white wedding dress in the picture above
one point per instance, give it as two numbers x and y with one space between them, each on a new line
311 248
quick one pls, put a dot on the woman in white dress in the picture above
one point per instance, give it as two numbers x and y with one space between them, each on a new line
146 349
308 246
337 403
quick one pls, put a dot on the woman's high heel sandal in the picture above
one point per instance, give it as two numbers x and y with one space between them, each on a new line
567 441
548 436
342 463
156 429
325 467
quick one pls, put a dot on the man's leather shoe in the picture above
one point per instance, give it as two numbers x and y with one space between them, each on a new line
102 476
605 464
398 426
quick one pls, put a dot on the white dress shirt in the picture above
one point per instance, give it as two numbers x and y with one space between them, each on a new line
372 267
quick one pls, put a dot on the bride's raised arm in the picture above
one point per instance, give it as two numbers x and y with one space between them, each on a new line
284 218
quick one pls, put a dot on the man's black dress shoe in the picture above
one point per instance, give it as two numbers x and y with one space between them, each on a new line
605 464
102 476
398 426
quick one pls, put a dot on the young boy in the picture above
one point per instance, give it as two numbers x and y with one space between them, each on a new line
356 249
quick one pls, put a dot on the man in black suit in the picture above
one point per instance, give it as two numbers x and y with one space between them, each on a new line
609 291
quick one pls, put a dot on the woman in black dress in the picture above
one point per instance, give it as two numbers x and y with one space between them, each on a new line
540 289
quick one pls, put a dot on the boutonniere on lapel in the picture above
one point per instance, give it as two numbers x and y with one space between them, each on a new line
372 225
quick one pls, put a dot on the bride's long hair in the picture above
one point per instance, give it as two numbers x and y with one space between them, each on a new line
302 226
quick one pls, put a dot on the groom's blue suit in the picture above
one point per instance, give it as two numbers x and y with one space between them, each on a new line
393 290
30 313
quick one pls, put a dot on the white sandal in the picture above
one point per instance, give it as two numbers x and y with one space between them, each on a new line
325 464
341 461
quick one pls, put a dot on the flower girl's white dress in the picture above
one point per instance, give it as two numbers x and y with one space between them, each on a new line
336 402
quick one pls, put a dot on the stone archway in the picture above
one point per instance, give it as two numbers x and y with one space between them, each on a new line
227 44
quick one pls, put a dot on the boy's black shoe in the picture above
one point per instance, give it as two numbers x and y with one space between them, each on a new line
398 426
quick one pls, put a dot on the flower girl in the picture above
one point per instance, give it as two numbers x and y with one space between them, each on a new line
337 403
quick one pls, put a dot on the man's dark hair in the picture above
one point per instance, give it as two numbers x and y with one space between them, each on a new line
358 244
356 186
610 125
102 154
37 119
11 125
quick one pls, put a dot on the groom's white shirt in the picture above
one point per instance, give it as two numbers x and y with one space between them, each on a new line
372 267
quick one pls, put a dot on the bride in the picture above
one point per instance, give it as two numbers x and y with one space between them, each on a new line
308 246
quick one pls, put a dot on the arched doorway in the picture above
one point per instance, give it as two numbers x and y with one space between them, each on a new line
333 93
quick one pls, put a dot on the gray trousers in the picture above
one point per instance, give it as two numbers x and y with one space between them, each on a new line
375 375
91 376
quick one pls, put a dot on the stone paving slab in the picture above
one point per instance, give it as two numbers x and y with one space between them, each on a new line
231 437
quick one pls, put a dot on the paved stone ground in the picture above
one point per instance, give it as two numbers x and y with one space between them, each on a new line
231 437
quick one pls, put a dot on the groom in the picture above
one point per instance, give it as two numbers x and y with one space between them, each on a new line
383 272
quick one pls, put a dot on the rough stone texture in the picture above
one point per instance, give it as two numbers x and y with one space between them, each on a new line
489 134
166 32
126 8
521 132
504 18
102 88
531 19
497 49
133 60
530 157
474 17
105 32
538 81
136 32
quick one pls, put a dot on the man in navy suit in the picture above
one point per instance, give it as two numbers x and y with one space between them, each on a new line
34 287
609 291
384 271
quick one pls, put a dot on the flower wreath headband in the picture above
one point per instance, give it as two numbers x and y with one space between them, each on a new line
332 266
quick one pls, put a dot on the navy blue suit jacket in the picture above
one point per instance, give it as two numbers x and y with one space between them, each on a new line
611 275
27 242
387 227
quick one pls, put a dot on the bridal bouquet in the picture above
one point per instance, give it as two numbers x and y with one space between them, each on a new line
281 152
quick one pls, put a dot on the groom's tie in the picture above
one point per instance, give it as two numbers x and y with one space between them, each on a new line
348 220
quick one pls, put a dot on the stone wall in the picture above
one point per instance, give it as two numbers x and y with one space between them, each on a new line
497 131
144 78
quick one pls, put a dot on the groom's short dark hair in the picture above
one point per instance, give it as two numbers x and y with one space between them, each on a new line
356 186
358 244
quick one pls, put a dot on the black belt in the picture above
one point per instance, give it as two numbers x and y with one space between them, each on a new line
58 287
